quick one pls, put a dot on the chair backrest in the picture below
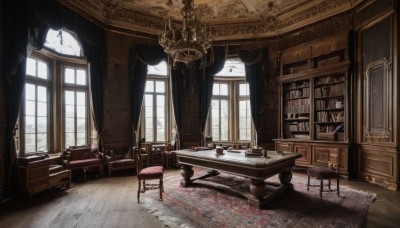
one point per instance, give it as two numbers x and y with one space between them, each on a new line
334 159
80 153
139 157
119 150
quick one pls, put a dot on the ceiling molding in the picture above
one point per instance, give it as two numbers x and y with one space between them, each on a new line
234 20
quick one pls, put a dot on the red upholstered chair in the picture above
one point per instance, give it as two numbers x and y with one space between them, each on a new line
148 173
81 157
327 173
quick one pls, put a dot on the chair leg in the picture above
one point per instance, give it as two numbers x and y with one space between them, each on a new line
321 187
161 185
337 181
144 186
308 182
138 191
329 184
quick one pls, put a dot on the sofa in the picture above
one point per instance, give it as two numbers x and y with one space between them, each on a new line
82 158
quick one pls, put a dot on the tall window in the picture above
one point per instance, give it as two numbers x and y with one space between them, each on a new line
36 107
220 112
75 117
244 114
154 121
54 114
230 114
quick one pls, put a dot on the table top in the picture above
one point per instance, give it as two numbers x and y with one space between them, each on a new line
238 157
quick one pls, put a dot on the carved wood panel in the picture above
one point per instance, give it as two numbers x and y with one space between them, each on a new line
305 151
377 102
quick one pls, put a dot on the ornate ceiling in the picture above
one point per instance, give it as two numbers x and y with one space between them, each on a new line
229 19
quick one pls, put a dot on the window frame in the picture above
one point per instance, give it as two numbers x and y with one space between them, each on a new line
168 121
234 81
36 81
76 88
55 61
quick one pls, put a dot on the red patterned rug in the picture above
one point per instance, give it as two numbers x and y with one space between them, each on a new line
204 206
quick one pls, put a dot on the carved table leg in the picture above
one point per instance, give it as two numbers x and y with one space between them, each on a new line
186 173
285 177
257 189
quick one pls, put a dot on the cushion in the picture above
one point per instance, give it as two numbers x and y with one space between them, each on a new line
153 172
322 172
80 163
123 162
80 153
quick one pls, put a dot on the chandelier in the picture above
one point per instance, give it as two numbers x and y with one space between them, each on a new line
189 44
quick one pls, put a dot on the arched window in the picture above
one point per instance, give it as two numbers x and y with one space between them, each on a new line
62 42
155 104
55 111
230 114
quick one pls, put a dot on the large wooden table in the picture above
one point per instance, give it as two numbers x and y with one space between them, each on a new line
257 169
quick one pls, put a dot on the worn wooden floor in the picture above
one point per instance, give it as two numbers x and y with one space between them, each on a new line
111 202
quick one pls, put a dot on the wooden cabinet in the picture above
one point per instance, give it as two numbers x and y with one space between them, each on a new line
315 153
313 113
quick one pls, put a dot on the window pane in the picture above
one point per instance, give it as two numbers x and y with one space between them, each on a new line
160 87
149 123
69 125
80 98
69 75
244 90
41 124
81 77
42 93
160 112
148 112
81 111
31 66
148 100
30 125
30 142
30 92
149 135
224 105
160 100
224 89
214 104
69 111
30 108
62 42
69 139
42 109
160 123
69 97
232 68
149 86
161 135
216 89
215 123
159 69
42 142
81 125
81 139
42 70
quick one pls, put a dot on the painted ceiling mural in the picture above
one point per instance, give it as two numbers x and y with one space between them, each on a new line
229 19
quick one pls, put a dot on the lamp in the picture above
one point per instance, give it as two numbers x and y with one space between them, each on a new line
189 44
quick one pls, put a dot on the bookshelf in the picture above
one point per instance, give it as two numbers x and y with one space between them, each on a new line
313 113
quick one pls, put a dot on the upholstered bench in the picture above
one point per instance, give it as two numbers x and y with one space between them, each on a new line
83 159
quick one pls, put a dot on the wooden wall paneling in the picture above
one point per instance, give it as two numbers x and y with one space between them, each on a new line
305 151
377 119
379 165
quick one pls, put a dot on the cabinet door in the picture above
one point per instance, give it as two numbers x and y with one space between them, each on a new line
320 155
284 146
305 151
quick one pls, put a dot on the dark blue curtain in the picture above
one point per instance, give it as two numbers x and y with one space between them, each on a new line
26 24
178 77
256 68
139 58
206 73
